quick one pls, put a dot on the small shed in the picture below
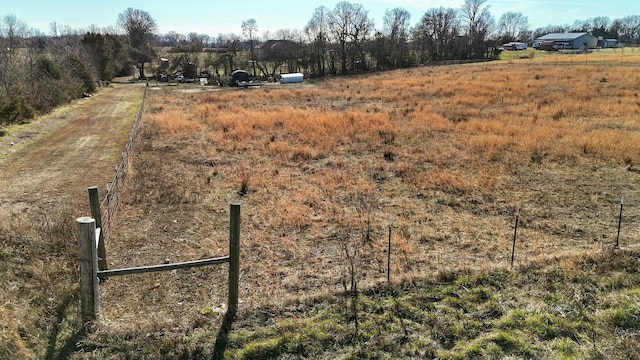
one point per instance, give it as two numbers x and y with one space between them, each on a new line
238 77
291 78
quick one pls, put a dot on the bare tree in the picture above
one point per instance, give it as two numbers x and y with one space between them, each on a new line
14 31
12 37
275 53
396 30
479 25
581 26
350 26
229 43
318 31
288 34
139 27
437 34
196 41
628 29
173 38
249 29
205 39
549 29
600 23
55 29
513 26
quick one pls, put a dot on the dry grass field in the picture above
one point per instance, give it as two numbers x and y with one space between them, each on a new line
446 155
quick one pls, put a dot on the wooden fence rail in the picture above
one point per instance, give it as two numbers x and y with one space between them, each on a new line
90 273
103 274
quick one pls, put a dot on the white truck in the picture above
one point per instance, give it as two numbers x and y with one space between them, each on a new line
515 46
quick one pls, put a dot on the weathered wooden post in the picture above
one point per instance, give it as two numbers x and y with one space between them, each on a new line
87 260
234 258
94 203
619 223
515 234
389 254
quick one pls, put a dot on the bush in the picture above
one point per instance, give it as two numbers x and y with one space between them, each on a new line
15 109
78 71
48 68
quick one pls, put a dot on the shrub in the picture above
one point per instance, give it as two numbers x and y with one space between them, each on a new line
48 68
558 115
389 156
16 109
78 71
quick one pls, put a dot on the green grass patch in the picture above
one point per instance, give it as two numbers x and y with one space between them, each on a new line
505 314
485 316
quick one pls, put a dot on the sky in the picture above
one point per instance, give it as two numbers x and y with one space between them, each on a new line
215 17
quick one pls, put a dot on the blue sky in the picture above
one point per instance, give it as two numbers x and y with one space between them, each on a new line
215 16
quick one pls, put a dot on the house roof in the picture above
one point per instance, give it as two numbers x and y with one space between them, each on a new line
563 36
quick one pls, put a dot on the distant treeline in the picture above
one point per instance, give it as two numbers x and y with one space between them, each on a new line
38 72
343 40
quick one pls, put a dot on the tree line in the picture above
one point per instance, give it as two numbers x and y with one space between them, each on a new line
40 71
344 40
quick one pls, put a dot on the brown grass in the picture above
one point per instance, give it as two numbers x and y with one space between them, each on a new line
447 153
176 123
11 344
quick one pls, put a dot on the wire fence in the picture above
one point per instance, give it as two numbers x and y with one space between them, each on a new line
615 57
110 203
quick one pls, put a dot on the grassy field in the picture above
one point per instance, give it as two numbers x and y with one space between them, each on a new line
583 308
628 55
447 156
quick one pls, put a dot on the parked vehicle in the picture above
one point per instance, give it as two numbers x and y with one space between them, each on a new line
239 78
515 46
520 46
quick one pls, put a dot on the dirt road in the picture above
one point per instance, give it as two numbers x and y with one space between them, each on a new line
44 178
54 160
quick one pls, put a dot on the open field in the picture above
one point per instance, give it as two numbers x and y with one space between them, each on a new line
447 154
612 56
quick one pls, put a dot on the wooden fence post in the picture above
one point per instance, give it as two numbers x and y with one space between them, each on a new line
87 260
389 254
515 234
234 258
619 223
94 202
